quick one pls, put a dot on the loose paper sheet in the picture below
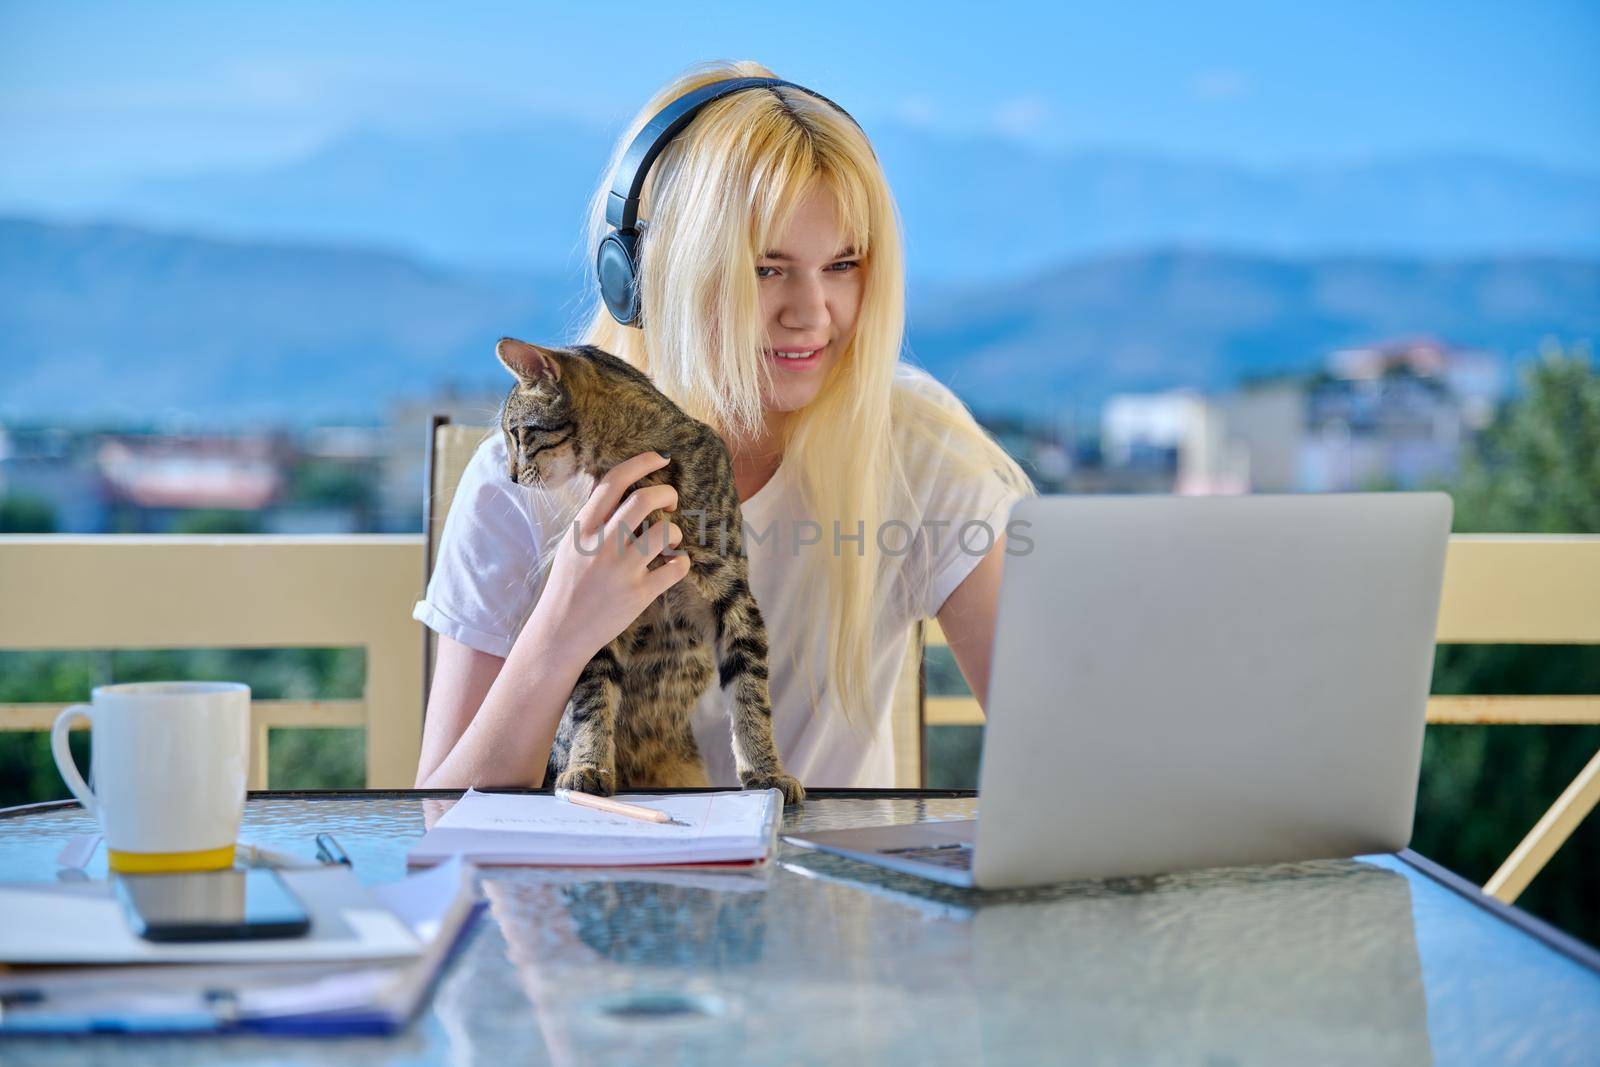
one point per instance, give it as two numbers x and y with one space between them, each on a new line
84 923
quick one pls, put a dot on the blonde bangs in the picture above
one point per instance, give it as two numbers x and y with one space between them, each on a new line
804 163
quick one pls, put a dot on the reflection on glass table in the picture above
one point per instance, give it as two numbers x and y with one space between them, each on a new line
821 959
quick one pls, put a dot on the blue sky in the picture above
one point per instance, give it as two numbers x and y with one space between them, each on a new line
99 93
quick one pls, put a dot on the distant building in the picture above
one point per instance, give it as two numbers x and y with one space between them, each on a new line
148 481
1394 414
405 449
1147 429
176 472
1267 422
1181 433
53 467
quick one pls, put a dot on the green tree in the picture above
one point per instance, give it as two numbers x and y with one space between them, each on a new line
217 521
26 514
1535 469
327 483
339 484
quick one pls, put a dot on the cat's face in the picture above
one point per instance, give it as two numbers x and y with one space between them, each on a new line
538 420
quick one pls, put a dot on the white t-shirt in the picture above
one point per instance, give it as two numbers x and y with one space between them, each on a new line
484 588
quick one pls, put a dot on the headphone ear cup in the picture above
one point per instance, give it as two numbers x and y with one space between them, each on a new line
616 265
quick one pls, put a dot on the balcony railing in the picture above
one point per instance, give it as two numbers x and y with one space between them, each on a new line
122 592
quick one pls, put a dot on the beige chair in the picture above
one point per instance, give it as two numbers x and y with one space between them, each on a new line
1527 589
450 447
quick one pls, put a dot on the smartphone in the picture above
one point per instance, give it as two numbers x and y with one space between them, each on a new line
211 905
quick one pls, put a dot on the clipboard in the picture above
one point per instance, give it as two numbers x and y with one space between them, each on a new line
286 998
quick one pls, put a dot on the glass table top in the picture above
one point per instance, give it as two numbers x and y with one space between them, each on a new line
822 959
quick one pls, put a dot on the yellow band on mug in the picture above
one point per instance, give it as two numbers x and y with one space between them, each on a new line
210 859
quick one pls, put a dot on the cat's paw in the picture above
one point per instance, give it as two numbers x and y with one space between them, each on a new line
585 778
793 792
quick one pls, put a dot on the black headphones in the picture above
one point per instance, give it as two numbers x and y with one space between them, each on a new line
617 262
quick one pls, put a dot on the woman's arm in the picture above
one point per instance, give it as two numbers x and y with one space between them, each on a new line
490 720
461 679
967 618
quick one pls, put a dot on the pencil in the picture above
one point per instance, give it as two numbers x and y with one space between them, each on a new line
615 807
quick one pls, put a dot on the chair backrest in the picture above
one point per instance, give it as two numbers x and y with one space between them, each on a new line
906 716
450 448
1537 590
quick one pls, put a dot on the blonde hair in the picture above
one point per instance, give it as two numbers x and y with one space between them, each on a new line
720 193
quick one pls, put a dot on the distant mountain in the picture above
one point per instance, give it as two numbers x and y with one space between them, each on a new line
512 197
100 321
1075 333
975 208
113 321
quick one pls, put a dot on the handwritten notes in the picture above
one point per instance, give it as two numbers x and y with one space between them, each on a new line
509 829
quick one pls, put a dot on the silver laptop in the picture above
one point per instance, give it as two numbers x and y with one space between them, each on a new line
1184 682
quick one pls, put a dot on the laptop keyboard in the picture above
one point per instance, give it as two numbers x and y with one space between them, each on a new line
957 856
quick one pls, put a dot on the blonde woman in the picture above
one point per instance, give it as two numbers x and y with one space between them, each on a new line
770 232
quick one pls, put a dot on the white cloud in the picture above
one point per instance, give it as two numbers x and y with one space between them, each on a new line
1022 116
1220 84
916 110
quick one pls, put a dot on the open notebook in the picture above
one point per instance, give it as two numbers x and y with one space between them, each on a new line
734 829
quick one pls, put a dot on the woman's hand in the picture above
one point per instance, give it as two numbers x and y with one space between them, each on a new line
601 582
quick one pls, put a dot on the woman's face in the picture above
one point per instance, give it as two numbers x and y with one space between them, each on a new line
810 286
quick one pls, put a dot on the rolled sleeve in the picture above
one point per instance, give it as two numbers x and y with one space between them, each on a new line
436 620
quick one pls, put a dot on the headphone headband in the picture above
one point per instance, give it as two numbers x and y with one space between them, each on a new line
622 206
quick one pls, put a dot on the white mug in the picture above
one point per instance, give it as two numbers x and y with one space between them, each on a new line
169 762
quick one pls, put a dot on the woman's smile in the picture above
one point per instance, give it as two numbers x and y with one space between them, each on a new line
795 358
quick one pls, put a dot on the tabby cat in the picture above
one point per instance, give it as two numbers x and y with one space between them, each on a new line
626 726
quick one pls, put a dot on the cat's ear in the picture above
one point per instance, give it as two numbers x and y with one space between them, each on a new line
530 363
